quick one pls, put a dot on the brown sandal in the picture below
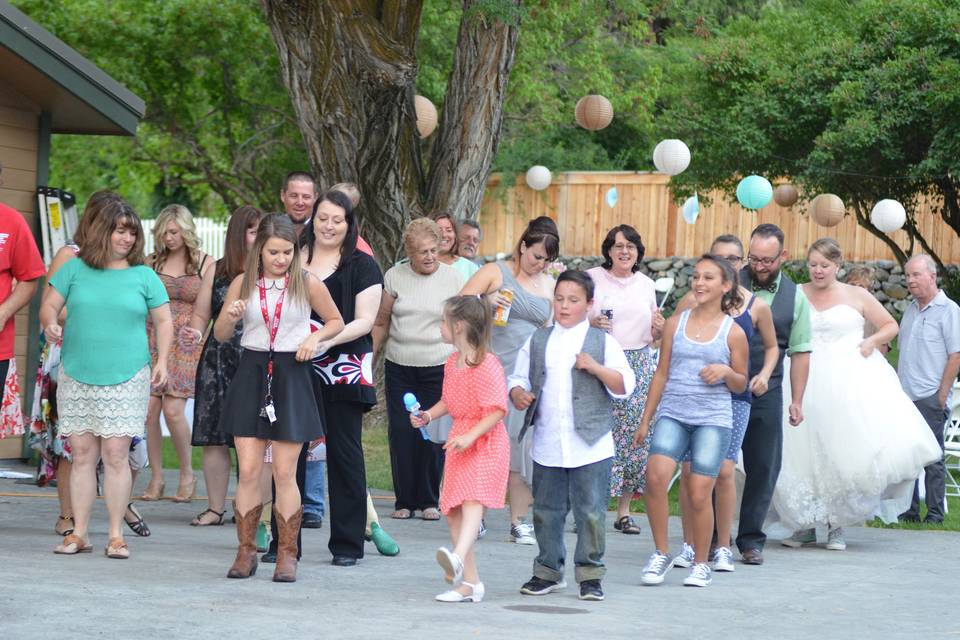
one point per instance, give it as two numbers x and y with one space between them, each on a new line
72 545
67 529
628 525
117 549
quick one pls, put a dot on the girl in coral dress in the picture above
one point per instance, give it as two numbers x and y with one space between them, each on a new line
478 448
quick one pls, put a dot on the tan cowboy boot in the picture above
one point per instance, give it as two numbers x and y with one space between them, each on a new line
245 564
287 530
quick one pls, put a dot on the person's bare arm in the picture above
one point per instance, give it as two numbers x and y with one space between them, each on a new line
323 305
763 320
163 327
231 313
659 381
875 314
799 372
19 298
381 326
193 331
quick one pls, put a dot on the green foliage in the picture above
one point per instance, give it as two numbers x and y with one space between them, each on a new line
219 129
852 98
797 271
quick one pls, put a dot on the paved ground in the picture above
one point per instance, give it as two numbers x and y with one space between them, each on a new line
888 584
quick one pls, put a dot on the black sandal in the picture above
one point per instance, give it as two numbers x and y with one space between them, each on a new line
65 532
627 525
138 526
197 523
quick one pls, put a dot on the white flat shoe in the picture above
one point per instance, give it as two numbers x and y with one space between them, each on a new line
476 594
452 566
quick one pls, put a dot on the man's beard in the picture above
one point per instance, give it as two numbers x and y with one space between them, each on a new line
763 278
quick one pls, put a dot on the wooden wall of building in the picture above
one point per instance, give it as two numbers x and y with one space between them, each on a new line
19 121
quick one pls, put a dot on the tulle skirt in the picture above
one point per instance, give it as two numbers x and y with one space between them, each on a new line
860 447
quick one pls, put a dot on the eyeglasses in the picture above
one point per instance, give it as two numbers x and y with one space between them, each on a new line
764 261
628 247
733 259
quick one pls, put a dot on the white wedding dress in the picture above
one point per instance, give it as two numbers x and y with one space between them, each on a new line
862 442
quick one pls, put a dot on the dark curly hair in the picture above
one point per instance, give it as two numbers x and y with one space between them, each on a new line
631 235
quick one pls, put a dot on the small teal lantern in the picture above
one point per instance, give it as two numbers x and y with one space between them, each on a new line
754 192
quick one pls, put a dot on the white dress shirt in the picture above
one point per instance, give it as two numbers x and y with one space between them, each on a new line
555 441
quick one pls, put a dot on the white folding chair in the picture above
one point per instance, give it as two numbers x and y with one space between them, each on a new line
951 445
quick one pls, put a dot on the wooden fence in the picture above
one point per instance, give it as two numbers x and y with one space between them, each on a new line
576 201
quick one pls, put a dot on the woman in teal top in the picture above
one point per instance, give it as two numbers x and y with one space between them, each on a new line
105 372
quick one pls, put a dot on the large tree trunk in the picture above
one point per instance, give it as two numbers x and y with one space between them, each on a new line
472 113
350 68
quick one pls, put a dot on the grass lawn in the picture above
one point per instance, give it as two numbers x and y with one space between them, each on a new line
377 458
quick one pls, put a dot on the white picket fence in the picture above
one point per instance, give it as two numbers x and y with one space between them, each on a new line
210 233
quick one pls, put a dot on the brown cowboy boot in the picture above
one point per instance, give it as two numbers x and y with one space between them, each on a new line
245 564
287 530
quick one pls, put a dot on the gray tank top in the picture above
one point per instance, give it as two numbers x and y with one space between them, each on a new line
527 314
687 398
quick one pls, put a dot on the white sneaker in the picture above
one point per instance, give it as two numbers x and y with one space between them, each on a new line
835 541
699 576
656 570
522 533
723 559
453 595
685 559
483 530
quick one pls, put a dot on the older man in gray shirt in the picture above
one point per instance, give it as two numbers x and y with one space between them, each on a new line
928 366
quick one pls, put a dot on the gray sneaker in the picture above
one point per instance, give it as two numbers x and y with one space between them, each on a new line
522 533
685 558
656 570
723 560
802 538
700 576
835 541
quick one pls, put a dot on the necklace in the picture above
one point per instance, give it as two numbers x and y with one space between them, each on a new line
707 325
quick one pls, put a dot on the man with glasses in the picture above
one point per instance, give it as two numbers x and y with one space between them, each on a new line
763 444
927 366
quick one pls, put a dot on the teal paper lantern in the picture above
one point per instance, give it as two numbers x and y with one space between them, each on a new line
754 192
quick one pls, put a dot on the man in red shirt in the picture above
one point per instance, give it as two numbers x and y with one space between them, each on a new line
20 267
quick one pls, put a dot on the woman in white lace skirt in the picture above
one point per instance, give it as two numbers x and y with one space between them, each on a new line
105 372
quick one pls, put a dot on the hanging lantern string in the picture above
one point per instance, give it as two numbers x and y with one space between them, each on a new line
798 163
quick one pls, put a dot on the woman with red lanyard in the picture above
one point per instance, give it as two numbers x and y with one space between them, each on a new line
274 395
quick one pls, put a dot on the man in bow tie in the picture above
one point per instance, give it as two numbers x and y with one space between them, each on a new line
763 444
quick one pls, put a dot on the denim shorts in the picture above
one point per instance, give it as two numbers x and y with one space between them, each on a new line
707 445
741 416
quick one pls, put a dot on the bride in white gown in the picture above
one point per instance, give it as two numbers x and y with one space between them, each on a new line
862 442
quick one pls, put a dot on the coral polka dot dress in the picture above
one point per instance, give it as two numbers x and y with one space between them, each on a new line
480 472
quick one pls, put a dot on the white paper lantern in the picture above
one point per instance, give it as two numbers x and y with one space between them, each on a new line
888 215
671 157
538 177
426 115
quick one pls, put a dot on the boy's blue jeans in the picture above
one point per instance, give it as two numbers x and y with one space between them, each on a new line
557 490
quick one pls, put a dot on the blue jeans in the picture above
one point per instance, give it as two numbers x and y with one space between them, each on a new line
707 445
557 490
316 487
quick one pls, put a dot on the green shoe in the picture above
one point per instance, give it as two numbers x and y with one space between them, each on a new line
263 537
802 538
386 545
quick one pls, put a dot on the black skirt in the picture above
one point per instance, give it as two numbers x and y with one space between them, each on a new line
296 398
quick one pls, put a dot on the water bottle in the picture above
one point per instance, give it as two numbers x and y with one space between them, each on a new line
606 308
413 406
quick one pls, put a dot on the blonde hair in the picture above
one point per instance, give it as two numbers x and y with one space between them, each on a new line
474 312
350 190
180 215
829 249
416 230
275 225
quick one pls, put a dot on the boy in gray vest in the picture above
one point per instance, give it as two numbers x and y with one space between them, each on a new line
565 377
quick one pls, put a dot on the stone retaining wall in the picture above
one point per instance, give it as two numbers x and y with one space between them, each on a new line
889 286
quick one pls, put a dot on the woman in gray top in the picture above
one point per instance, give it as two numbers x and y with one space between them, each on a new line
520 293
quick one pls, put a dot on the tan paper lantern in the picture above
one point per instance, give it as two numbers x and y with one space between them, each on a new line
785 195
593 112
426 116
827 210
